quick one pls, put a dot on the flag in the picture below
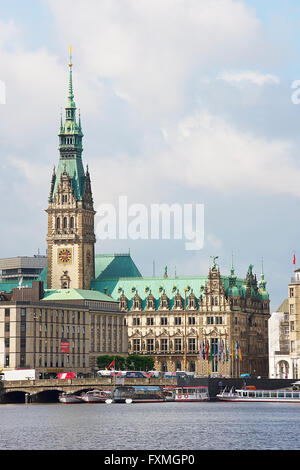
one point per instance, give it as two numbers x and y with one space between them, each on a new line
222 351
207 349
211 350
203 350
111 364
236 349
240 353
294 259
21 281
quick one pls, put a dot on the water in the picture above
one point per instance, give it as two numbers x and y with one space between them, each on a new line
150 426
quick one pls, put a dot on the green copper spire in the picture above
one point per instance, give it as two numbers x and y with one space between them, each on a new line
232 267
71 103
70 144
262 283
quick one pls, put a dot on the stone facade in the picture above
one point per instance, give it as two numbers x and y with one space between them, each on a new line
52 336
294 327
218 328
280 365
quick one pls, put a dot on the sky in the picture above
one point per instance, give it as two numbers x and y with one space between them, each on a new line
182 102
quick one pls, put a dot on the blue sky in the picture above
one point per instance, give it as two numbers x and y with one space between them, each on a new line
181 101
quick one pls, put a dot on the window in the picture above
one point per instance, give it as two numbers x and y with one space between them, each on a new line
192 321
210 320
136 321
177 320
136 345
292 326
178 344
219 321
150 321
192 344
150 345
292 309
291 292
164 320
164 344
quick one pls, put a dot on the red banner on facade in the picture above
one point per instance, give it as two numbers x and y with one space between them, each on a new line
64 347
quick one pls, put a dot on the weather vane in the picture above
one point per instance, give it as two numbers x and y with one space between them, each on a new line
70 50
214 260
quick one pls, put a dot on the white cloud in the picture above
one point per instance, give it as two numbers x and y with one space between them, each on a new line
205 150
149 50
251 76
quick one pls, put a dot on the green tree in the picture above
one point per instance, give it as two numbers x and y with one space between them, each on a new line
104 361
136 362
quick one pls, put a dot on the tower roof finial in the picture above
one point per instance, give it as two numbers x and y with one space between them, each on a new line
71 95
70 51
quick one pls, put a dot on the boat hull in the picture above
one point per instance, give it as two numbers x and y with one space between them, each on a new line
70 399
258 400
96 396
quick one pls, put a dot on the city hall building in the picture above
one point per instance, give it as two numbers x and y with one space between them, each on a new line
84 304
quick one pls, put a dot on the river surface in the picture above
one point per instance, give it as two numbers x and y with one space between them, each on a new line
150 426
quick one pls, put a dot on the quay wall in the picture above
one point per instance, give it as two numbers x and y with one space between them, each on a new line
215 384
37 388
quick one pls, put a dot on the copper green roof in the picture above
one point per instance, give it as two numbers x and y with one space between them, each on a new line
9 286
114 266
75 294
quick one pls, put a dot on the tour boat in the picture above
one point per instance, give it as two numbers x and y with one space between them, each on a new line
251 394
69 398
96 396
187 393
137 394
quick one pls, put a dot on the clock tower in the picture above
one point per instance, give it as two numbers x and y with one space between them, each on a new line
71 238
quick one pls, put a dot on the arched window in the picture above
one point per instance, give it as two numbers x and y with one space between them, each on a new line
65 222
58 223
72 222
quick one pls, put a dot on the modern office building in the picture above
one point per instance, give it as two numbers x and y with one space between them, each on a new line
22 268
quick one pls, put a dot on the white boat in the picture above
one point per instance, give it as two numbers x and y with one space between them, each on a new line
69 398
250 394
96 396
187 393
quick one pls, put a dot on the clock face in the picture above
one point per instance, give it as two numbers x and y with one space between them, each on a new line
65 255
